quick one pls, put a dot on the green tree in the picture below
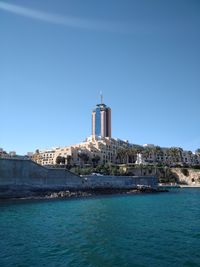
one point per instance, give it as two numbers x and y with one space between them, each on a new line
60 160
83 157
197 151
95 160
158 153
121 155
69 159
133 153
174 155
146 152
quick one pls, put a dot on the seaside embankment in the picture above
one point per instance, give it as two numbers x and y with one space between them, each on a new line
25 178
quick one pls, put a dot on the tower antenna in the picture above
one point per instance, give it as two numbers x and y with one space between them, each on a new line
101 95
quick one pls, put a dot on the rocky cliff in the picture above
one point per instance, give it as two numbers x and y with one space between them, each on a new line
187 176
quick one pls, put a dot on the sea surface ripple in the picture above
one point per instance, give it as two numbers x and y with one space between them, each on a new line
135 230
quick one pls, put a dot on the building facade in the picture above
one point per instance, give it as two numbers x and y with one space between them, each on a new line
170 156
101 121
102 148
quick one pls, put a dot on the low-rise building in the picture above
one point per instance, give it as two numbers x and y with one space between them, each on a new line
100 147
103 148
170 156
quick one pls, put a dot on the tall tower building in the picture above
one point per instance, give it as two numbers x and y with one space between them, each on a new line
101 120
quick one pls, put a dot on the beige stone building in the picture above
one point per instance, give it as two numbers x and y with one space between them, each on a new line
170 156
105 148
102 146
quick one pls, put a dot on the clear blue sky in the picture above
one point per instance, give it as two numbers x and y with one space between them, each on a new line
56 56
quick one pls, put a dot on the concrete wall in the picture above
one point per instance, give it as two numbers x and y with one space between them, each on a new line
140 170
26 173
107 181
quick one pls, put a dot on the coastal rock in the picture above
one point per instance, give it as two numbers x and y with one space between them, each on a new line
187 176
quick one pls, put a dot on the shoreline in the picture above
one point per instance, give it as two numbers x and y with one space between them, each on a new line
77 194
86 193
178 186
189 186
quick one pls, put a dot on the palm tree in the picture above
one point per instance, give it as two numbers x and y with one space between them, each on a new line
175 154
95 160
190 155
180 154
121 155
69 158
196 159
146 152
83 157
168 158
60 160
134 151
158 152
197 151
127 155
132 154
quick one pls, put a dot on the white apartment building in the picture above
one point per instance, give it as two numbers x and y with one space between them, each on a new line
164 156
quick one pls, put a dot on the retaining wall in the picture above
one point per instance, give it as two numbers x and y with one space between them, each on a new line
17 172
19 175
107 181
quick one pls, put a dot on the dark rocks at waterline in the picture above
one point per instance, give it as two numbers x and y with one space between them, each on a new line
97 192
67 194
63 193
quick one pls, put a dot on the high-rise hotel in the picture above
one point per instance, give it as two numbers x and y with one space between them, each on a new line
100 143
101 121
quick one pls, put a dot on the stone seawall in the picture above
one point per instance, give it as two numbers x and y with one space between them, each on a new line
17 172
18 176
123 182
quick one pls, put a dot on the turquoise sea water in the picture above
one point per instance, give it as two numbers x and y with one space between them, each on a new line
135 230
